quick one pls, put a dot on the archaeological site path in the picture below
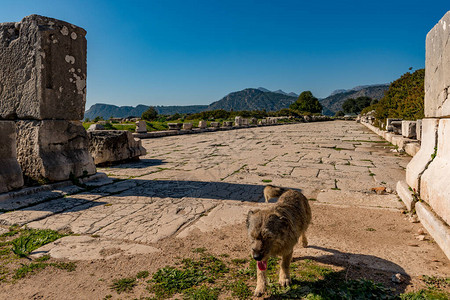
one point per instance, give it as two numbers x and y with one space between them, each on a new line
195 191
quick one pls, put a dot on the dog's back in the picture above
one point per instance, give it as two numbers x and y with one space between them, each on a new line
294 206
271 191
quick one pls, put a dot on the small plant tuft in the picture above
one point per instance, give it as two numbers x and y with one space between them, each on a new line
123 285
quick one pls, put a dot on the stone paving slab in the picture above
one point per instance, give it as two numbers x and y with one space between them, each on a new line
209 181
360 199
89 248
221 216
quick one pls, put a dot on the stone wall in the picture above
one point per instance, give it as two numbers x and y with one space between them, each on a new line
43 91
428 173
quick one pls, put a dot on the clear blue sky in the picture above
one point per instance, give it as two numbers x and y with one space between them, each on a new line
195 52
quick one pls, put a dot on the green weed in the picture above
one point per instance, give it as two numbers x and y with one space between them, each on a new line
142 274
31 239
240 290
123 285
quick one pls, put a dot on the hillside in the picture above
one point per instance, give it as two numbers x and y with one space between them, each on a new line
333 103
107 110
253 99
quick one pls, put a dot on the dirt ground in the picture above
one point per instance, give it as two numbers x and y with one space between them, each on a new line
194 193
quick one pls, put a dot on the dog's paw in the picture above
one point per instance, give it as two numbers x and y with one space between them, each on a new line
284 282
259 291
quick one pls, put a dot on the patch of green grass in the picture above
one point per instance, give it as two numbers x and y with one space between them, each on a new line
370 229
239 261
26 269
240 289
142 274
68 266
202 293
266 180
371 174
31 239
123 285
312 199
43 258
428 294
199 250
169 280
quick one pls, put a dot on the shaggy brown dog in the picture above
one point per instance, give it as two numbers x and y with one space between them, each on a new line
271 191
275 231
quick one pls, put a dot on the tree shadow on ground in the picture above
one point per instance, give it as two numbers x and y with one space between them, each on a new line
357 266
186 189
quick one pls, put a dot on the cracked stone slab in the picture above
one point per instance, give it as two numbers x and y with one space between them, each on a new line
222 215
24 200
89 248
40 211
360 199
87 218
158 220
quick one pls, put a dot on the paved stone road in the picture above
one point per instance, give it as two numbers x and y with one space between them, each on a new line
208 181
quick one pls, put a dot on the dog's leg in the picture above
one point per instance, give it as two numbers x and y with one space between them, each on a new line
261 282
285 277
304 240
267 198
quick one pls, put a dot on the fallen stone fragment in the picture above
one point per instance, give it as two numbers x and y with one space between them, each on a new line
381 190
107 146
421 237
398 278
414 219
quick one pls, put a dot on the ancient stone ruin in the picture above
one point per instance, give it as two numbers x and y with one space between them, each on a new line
42 99
113 146
428 173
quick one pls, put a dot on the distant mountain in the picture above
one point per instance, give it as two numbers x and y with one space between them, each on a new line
107 110
263 89
292 94
253 99
248 99
333 103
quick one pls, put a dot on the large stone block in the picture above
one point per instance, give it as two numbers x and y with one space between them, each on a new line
202 124
52 150
42 69
437 70
409 129
419 162
10 171
107 146
435 181
419 130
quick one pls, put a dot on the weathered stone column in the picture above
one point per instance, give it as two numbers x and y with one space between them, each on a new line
428 173
43 88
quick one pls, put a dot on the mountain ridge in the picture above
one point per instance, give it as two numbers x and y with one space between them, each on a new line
247 99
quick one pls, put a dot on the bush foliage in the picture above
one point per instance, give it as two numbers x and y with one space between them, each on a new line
403 100
306 102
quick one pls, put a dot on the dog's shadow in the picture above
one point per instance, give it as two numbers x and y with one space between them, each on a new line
354 266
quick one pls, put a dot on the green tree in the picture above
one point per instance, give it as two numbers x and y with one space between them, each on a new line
306 102
404 99
150 114
98 118
355 106
339 114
